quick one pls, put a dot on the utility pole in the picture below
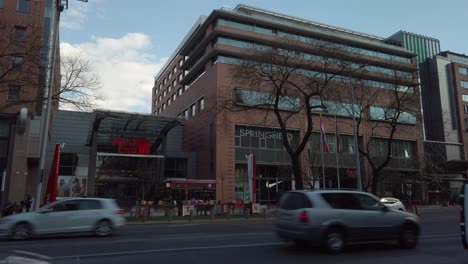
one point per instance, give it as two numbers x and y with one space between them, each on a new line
45 118
56 7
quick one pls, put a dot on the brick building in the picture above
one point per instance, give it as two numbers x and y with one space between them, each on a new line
198 77
24 47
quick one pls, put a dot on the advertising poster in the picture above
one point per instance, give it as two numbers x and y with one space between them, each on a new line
72 186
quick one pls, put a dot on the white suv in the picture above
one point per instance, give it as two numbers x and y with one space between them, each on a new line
100 216
335 218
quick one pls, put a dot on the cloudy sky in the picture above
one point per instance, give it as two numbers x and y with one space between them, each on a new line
128 42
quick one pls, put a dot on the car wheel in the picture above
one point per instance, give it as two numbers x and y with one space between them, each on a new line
334 240
21 231
103 228
408 237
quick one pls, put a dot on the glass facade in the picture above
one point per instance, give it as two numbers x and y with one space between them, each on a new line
334 108
266 143
273 171
424 47
265 99
315 74
310 40
380 113
312 57
400 148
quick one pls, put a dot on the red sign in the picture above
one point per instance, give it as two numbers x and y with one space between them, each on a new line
132 146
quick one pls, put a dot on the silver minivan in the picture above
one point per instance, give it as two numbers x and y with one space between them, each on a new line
333 219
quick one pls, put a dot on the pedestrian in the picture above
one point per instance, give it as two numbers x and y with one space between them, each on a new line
28 202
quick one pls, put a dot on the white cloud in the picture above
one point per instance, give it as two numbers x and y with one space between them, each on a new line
126 67
77 14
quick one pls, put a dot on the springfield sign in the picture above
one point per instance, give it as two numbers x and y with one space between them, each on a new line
266 133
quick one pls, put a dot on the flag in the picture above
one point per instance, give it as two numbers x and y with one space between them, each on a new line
325 146
51 191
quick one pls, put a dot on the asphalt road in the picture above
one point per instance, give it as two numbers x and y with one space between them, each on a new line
240 242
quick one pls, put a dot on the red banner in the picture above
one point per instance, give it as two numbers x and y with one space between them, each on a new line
51 191
132 146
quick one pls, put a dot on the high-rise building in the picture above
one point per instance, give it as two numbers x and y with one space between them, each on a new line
446 110
24 69
199 77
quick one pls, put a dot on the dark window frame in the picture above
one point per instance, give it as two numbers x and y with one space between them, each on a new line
23 6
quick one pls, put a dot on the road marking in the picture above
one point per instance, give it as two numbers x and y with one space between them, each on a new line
440 236
112 240
168 250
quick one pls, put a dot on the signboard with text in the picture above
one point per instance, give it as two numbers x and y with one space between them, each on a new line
132 146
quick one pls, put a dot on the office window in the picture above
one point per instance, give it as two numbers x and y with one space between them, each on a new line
175 168
164 93
17 62
180 63
169 102
170 76
164 81
186 113
464 84
164 106
463 70
23 6
169 89
465 97
466 123
179 92
193 109
174 83
159 110
180 77
465 107
174 96
20 32
13 92
155 102
201 104
174 70
159 98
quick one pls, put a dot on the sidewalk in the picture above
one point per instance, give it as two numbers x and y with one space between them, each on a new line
195 219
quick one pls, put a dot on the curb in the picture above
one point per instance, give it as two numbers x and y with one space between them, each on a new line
179 222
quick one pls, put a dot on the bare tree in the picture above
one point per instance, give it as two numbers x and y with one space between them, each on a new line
80 85
380 113
286 80
20 64
22 72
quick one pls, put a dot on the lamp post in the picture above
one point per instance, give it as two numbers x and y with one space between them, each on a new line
52 42
356 144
